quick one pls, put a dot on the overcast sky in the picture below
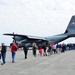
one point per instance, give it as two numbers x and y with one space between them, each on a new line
35 17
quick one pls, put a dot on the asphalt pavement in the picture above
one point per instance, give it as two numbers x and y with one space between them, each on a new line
56 64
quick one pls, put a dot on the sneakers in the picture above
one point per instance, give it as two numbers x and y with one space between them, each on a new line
1 63
13 61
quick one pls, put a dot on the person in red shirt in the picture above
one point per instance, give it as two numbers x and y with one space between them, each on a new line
40 50
14 48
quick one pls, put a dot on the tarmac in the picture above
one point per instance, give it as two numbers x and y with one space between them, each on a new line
56 64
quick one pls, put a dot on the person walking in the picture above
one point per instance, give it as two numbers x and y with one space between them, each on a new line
14 48
3 53
34 46
49 49
63 48
40 50
44 50
54 48
25 48
0 55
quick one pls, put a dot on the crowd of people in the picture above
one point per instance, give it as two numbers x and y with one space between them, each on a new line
45 50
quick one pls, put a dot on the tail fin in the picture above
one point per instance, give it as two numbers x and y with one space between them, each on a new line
71 27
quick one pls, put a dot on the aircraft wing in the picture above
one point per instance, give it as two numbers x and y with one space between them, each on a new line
26 36
36 37
19 35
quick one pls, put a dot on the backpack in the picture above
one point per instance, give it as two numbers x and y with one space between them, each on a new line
16 47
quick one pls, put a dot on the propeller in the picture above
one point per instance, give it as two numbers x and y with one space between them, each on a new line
13 38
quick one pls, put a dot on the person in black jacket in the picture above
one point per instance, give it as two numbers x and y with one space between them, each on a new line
3 53
0 55
25 48
63 48
44 50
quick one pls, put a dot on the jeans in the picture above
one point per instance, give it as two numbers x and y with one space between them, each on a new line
13 57
25 53
4 57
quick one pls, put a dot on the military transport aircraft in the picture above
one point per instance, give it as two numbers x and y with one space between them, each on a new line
20 40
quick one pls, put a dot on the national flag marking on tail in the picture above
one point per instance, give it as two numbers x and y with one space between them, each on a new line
73 23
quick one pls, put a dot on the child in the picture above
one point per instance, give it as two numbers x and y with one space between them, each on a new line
40 50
